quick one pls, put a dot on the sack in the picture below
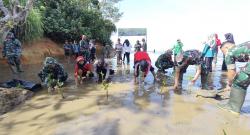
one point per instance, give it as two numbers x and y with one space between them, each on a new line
21 84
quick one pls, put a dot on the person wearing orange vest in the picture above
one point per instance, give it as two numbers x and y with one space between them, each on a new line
82 70
142 62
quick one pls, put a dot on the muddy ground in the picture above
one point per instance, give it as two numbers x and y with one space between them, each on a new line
129 109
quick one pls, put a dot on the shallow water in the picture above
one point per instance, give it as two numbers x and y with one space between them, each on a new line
128 109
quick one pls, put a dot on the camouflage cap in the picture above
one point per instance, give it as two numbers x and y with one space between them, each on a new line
10 35
50 60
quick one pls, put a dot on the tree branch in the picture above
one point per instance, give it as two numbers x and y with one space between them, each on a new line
16 15
5 12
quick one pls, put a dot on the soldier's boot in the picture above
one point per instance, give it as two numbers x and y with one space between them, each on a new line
19 69
204 81
238 91
13 69
237 97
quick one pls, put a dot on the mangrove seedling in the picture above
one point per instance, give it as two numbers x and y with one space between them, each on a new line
164 84
56 84
105 85
224 132
20 86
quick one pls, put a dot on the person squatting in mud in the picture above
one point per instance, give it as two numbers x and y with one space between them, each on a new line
103 70
183 60
142 62
83 69
12 51
238 82
164 61
52 74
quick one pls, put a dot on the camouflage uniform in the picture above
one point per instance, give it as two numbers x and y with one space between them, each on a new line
240 53
241 81
52 72
12 50
164 61
85 49
192 57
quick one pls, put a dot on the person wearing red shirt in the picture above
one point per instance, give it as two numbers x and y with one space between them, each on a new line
218 44
82 69
142 62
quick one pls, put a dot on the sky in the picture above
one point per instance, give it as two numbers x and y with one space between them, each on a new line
189 20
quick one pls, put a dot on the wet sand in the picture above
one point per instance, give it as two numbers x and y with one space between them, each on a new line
129 109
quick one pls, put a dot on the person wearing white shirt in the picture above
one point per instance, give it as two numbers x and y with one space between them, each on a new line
126 49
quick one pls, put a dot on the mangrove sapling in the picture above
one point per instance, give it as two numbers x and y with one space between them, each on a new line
20 86
224 132
190 85
56 85
105 85
164 85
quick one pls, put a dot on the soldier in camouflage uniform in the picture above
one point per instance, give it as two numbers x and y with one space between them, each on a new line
238 82
190 57
12 50
85 48
52 74
164 61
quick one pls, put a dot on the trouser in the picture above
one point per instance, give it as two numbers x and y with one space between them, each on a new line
119 56
141 64
204 79
215 58
181 72
14 62
242 79
204 76
101 71
224 66
127 55
208 62
92 57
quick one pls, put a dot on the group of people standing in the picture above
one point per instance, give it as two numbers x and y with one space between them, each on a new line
83 48
123 50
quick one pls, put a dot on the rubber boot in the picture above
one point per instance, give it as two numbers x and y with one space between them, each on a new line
204 81
237 98
13 69
180 81
19 69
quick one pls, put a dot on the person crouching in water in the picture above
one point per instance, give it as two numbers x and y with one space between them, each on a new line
164 61
52 74
190 57
82 70
103 70
142 62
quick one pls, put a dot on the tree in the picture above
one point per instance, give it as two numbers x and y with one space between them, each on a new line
68 19
12 15
110 10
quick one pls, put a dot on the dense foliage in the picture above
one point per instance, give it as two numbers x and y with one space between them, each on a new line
69 19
